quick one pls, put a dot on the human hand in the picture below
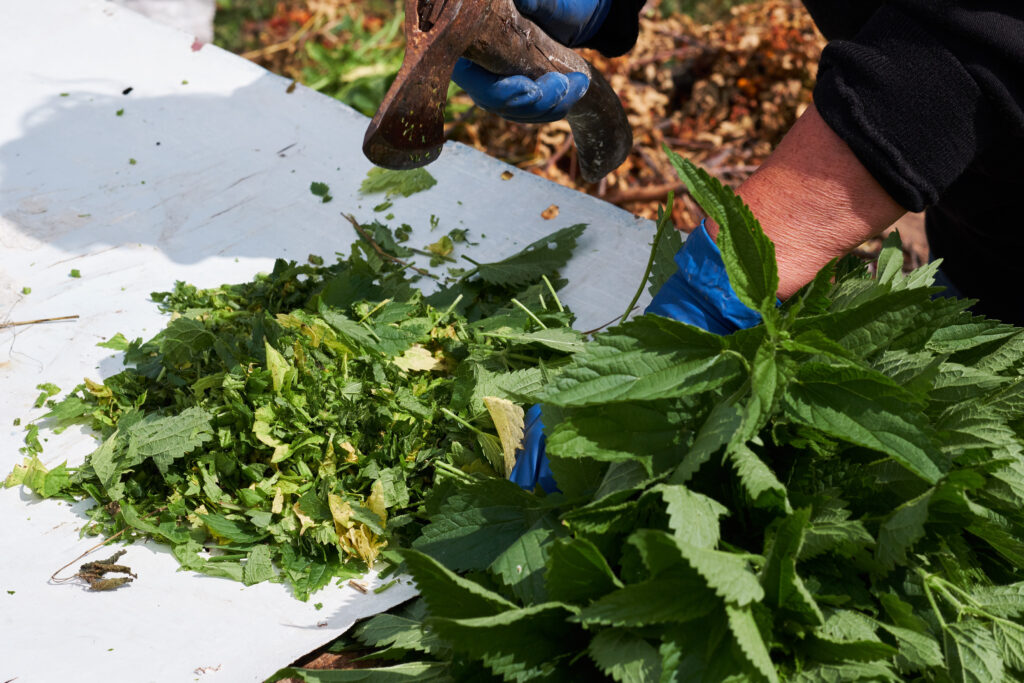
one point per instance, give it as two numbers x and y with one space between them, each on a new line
550 97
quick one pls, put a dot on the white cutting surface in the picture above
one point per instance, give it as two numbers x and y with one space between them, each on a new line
224 157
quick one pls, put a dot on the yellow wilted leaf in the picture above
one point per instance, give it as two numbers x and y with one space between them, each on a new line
417 358
341 511
278 505
362 543
351 450
303 518
509 421
376 502
98 390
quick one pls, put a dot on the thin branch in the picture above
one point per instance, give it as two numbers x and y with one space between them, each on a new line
376 247
40 320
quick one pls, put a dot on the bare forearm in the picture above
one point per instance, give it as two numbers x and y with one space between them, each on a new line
815 201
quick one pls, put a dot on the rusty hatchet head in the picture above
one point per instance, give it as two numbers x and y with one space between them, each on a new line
408 129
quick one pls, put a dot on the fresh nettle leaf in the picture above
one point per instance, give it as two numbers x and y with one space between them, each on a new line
392 183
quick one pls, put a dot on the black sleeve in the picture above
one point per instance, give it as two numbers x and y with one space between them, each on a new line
620 29
923 87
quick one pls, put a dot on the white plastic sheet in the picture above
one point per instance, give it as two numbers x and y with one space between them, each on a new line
200 173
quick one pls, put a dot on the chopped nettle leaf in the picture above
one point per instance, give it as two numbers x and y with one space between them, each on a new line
321 190
391 183
297 421
75 273
26 290
119 112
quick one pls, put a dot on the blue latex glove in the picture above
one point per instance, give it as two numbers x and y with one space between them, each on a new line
518 98
550 97
698 294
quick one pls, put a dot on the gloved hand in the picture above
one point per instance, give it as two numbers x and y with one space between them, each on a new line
698 294
550 97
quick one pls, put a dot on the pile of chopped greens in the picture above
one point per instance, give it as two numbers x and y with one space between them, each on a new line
293 424
836 494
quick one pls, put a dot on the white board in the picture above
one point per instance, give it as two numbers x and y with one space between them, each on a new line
204 176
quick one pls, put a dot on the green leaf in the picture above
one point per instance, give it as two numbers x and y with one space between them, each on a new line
543 257
750 640
258 567
517 643
404 183
645 359
183 340
480 523
1009 638
972 653
876 672
523 564
558 338
716 431
625 656
693 517
232 530
669 242
748 254
901 530
627 432
918 650
395 633
165 439
760 483
784 588
727 574
577 572
865 409
447 593
117 343
277 366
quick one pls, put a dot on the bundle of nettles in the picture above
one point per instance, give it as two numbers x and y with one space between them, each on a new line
834 495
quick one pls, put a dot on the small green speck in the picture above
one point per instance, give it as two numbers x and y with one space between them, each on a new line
10 592
318 605
17 422
389 217
26 290
75 272
132 162
84 215
65 94
184 81
120 112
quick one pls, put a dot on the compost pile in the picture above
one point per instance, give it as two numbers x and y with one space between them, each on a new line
836 494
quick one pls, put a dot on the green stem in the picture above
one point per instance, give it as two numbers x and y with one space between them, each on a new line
461 422
528 312
931 598
551 288
375 309
664 220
